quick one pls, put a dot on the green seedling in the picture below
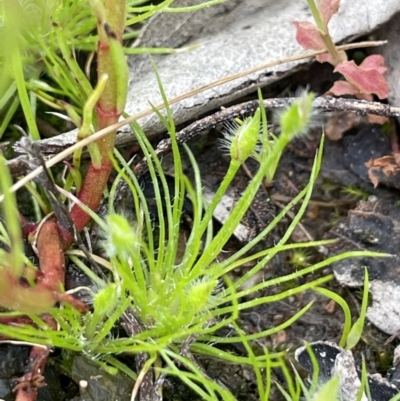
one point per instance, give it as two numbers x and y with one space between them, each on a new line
329 391
358 327
355 193
299 259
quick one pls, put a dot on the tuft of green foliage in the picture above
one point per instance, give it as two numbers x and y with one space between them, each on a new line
355 193
41 42
181 299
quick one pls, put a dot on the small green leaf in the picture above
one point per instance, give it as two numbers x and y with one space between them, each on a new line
329 391
357 329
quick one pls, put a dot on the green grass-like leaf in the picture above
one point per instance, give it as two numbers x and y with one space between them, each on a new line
356 331
329 391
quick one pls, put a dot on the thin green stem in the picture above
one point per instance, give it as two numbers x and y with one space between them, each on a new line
317 16
23 94
322 27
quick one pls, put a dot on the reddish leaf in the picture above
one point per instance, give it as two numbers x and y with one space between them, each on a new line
374 62
365 80
308 35
327 8
327 58
341 88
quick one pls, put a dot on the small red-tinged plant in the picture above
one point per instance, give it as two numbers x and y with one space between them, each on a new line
111 65
361 81
365 79
50 238
317 37
29 290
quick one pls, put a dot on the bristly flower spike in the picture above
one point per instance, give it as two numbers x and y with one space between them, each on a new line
241 143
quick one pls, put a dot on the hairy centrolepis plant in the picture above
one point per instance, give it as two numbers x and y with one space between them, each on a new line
48 44
170 301
182 301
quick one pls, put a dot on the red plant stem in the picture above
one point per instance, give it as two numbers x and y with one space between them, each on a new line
33 379
108 108
41 297
95 179
21 296
29 384
50 249
51 256
90 194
